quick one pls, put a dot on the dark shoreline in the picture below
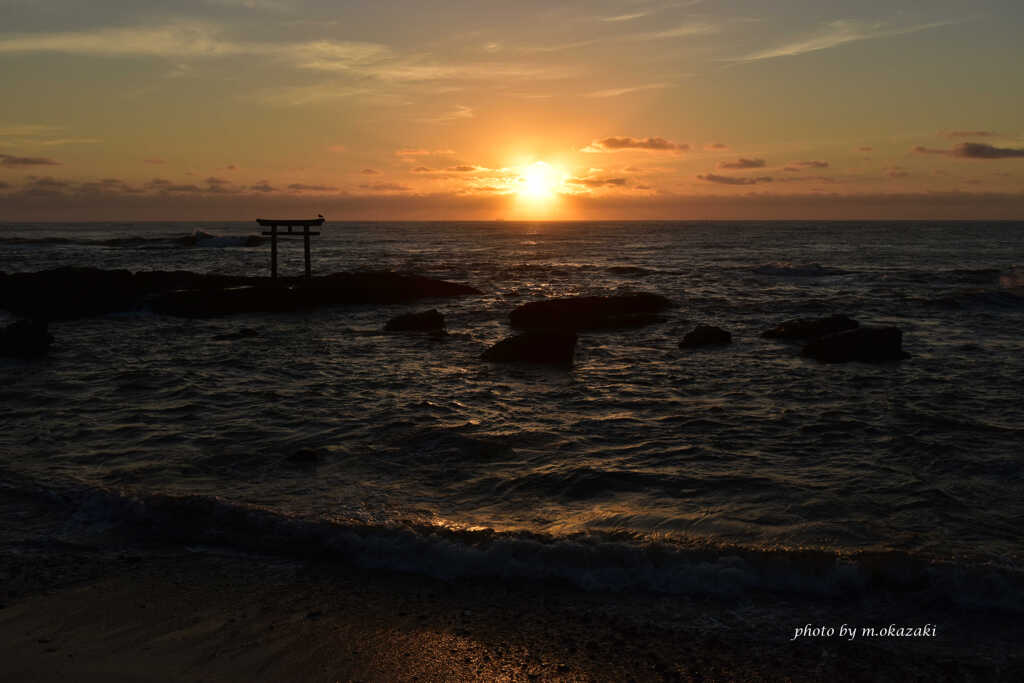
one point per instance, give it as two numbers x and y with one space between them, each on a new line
115 607
77 292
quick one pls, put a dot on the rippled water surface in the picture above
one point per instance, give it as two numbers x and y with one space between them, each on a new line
747 445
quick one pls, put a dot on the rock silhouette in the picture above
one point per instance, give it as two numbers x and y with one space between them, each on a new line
73 292
705 335
620 311
25 338
424 321
870 344
552 347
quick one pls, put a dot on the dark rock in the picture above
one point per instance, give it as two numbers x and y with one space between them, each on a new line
861 344
295 294
809 328
591 312
72 292
25 338
66 293
244 333
425 321
537 346
705 335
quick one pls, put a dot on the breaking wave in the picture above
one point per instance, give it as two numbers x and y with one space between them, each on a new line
590 561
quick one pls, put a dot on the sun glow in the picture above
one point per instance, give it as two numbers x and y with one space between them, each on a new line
540 181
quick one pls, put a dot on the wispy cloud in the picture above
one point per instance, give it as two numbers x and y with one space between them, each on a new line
615 92
743 163
10 161
687 30
28 129
591 181
732 180
840 32
557 47
460 112
625 17
968 134
974 150
796 166
618 144
41 135
385 187
630 16
190 39
298 95
302 187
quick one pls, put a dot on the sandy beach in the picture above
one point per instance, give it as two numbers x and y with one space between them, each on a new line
118 608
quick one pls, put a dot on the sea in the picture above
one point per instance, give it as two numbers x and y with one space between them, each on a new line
643 467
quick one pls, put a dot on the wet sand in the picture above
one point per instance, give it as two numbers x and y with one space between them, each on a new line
166 614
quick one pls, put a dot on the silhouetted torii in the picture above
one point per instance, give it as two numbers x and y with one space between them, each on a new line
289 223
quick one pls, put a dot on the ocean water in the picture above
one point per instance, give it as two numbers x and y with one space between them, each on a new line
644 467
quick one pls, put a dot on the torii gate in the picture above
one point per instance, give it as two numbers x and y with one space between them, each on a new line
273 223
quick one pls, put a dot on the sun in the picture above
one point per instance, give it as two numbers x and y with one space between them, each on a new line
539 181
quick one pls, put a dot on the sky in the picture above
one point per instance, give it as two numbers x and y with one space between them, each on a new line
483 110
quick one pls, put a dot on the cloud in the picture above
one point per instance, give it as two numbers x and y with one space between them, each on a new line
809 164
806 179
697 28
968 134
49 182
262 186
974 150
385 187
598 182
865 149
369 171
615 92
624 17
28 130
300 187
618 144
154 161
979 150
14 162
65 141
460 112
715 147
732 180
840 32
421 169
185 39
560 47
742 163
419 152
716 202
464 168
182 188
218 185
